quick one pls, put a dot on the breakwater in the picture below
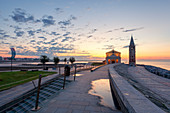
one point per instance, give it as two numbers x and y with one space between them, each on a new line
158 71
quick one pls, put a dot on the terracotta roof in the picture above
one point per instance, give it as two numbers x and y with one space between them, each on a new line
113 51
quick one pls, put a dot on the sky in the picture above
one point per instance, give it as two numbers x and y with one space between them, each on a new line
84 29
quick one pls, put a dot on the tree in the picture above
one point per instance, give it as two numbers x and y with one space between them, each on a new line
43 60
72 60
65 60
56 60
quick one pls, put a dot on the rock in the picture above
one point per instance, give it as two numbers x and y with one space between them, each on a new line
158 71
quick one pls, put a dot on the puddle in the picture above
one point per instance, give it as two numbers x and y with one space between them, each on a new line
78 74
101 88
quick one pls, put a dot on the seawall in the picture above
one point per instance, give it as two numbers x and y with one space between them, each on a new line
128 99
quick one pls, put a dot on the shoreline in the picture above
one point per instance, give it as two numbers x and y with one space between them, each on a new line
157 70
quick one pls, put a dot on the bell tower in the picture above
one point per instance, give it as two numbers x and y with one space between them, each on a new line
132 53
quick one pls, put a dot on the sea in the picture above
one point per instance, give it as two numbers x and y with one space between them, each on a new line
165 64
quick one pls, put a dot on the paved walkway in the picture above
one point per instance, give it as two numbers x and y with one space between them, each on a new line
157 84
75 98
7 96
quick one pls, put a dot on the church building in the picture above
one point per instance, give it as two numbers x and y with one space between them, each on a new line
132 53
113 57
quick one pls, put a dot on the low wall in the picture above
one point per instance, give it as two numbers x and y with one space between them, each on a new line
97 67
127 98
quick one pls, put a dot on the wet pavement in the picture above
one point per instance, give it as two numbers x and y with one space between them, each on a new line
75 97
101 88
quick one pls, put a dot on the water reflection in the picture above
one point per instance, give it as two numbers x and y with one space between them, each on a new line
78 74
101 88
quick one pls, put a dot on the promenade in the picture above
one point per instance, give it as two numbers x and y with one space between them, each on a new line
157 85
7 96
75 98
153 87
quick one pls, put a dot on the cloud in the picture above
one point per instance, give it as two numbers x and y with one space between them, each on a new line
39 42
13 37
81 35
31 32
46 42
6 36
38 30
109 31
121 39
19 33
92 31
19 47
64 23
4 51
108 47
119 29
54 33
60 48
4 42
32 41
66 39
126 46
48 20
59 10
41 37
28 53
2 32
54 43
67 33
129 30
15 27
53 40
67 22
89 36
20 15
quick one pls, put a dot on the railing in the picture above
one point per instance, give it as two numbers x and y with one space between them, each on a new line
26 95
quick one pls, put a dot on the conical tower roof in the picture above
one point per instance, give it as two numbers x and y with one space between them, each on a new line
132 42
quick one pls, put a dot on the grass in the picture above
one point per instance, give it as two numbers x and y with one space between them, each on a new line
11 79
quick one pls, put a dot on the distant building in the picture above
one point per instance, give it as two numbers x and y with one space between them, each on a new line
113 57
132 53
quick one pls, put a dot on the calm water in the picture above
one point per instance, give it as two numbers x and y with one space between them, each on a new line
101 88
20 63
158 63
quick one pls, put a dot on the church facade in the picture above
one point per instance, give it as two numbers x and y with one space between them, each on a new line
113 57
132 53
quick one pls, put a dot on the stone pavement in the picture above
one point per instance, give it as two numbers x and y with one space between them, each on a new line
7 96
75 98
133 101
157 84
154 87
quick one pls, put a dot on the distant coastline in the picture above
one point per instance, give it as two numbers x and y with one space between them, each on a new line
164 64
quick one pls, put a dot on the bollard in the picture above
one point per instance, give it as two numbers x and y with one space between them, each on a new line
64 79
38 91
75 73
